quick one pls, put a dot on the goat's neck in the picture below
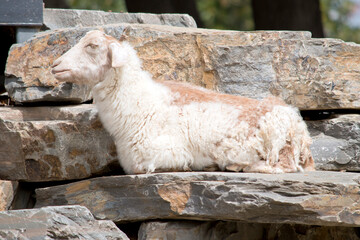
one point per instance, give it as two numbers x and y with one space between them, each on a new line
114 81
126 96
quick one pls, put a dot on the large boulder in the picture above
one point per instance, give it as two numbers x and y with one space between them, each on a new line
66 222
53 143
65 18
312 198
308 73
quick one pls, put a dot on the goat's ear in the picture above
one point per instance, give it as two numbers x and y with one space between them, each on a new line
118 55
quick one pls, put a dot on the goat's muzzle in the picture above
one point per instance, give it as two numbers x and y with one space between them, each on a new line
59 72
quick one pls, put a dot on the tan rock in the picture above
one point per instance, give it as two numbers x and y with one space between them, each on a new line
53 143
308 73
313 198
7 194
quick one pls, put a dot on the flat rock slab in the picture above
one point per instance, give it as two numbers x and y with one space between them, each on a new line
313 198
53 143
305 72
184 230
336 143
64 18
68 222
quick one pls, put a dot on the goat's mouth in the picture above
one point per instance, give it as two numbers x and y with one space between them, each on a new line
54 71
60 73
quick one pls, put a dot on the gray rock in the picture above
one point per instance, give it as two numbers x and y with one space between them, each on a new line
53 143
64 18
64 92
336 142
66 222
184 230
307 73
312 198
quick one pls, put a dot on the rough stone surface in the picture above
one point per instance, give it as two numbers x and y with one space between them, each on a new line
313 198
69 222
308 73
336 142
53 143
64 18
39 92
184 230
7 194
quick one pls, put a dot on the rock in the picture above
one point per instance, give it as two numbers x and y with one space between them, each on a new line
305 72
7 193
183 230
336 142
53 143
21 92
312 198
67 222
178 230
65 18
305 232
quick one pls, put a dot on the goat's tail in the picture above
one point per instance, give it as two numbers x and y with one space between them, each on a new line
286 140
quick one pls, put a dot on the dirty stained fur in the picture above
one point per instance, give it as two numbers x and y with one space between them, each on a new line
162 126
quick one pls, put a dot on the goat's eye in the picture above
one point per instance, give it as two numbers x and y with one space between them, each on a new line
91 45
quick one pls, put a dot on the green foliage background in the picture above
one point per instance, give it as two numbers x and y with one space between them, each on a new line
335 16
237 14
105 5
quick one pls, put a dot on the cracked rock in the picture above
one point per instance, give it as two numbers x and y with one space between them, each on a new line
53 143
312 198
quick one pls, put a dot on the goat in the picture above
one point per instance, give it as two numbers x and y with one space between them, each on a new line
172 126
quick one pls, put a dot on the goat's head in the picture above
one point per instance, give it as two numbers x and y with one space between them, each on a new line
90 59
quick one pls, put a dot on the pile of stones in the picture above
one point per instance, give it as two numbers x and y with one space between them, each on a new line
59 173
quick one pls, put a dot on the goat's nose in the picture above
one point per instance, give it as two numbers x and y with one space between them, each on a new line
55 63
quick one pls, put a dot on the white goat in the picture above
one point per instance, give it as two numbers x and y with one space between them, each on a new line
163 126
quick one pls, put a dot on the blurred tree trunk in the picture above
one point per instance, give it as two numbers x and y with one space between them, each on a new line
167 6
288 15
56 4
